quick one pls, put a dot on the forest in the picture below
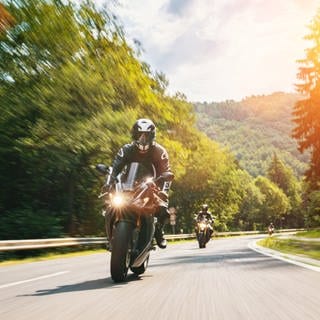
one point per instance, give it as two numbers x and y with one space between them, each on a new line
254 129
71 87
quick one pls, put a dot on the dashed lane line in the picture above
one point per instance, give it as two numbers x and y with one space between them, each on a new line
33 279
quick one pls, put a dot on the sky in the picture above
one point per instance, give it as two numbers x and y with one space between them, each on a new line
216 50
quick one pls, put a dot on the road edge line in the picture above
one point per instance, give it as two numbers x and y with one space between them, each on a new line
277 255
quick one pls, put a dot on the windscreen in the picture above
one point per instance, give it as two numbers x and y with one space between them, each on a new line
134 173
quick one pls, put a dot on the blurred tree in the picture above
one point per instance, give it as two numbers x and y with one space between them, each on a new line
275 204
228 192
70 89
279 174
66 101
284 178
251 205
312 213
254 128
6 19
307 110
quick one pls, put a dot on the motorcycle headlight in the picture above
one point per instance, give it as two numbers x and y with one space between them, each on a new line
202 226
117 201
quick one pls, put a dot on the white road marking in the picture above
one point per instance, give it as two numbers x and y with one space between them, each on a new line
33 279
268 252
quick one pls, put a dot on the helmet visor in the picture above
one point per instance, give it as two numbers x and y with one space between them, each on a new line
143 138
143 141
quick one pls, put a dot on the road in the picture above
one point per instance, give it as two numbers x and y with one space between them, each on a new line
227 280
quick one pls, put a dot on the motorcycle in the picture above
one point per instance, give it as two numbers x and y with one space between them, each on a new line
270 231
130 204
203 232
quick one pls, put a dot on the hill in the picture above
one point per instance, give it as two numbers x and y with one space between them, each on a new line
253 129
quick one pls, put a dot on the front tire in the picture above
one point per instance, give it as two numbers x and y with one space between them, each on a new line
121 251
201 240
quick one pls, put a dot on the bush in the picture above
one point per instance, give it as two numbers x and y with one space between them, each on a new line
28 224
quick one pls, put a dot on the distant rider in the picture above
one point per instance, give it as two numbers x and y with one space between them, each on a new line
205 214
271 228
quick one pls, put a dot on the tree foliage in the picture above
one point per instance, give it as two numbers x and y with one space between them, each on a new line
283 177
70 89
254 129
312 212
275 204
307 110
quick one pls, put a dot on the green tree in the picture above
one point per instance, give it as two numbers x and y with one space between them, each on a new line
71 88
307 110
312 213
284 178
279 174
66 102
250 209
6 19
254 129
275 204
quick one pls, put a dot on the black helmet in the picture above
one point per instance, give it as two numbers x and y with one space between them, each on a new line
204 207
143 134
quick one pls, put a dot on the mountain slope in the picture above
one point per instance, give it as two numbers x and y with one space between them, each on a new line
254 129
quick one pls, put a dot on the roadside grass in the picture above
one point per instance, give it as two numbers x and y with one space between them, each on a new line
309 234
292 246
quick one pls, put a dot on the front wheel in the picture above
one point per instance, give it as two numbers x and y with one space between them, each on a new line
201 240
121 251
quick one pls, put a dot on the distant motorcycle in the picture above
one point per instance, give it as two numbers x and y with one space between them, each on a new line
130 203
270 230
203 232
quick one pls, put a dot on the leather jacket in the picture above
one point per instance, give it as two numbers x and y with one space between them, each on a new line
156 159
207 215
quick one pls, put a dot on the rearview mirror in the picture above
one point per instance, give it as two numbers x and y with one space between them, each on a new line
103 169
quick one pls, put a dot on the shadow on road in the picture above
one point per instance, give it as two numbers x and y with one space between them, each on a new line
238 258
104 283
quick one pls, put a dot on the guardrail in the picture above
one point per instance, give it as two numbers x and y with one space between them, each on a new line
11 245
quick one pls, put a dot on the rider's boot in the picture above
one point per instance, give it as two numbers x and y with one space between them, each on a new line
162 216
158 234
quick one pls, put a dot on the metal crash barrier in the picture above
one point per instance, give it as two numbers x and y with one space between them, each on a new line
10 245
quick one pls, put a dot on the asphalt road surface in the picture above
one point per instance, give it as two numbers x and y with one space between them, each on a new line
227 280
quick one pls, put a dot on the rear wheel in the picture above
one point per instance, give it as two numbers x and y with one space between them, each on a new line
121 251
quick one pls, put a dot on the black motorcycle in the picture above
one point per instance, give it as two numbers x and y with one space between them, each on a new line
270 230
130 203
203 232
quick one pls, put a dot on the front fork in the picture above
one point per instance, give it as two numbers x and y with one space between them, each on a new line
143 232
113 216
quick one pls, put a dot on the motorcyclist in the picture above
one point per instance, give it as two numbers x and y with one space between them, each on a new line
271 228
144 149
205 214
